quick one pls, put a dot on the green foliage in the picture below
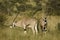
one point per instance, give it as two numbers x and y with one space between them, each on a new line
38 7
19 1
37 1
28 7
24 7
2 7
59 26
21 8
2 18
53 7
6 7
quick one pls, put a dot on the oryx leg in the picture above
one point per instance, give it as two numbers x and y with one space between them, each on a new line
25 29
33 30
36 30
43 28
13 25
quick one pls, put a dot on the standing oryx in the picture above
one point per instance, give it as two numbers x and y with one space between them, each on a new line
27 22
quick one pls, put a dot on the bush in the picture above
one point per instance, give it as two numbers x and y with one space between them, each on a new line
2 18
58 26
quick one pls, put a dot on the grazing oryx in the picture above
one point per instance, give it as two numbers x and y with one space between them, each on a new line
43 24
27 22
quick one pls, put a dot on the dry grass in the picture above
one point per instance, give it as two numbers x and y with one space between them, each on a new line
17 33
53 22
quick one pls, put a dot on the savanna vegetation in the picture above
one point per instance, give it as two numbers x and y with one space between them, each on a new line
14 10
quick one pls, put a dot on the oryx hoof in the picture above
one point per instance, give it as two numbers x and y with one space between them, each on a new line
10 26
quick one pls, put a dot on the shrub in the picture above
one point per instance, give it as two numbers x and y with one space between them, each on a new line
2 18
58 26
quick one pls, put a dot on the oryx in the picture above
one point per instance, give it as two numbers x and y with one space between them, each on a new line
27 22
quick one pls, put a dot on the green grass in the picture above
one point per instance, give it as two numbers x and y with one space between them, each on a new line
17 34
